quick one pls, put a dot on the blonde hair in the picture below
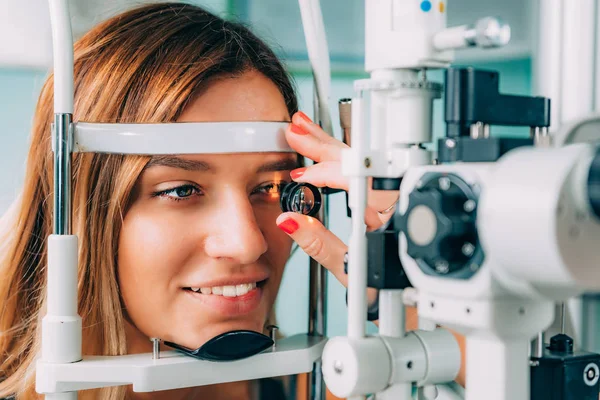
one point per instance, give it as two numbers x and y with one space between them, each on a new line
141 66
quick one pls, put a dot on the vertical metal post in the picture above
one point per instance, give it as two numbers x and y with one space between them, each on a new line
317 292
62 137
61 326
392 323
537 345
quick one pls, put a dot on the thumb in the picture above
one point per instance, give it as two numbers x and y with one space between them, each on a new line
316 241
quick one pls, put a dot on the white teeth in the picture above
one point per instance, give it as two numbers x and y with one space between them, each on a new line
242 289
229 291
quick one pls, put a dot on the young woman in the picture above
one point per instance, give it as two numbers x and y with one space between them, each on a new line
183 248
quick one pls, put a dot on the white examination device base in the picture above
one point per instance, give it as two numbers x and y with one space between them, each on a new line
173 370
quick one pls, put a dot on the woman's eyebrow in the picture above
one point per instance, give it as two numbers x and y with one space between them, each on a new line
176 162
281 165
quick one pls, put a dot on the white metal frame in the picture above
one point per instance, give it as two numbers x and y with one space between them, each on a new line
181 138
173 370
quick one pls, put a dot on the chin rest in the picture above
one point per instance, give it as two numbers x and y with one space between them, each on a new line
229 346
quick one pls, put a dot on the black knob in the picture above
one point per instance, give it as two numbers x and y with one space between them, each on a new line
561 343
440 226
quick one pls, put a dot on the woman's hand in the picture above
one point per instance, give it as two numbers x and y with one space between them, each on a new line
308 139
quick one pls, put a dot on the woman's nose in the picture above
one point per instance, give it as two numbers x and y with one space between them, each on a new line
234 233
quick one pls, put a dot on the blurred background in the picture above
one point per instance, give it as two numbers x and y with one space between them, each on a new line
26 58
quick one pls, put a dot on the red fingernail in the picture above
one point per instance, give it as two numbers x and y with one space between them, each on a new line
298 130
289 226
304 116
297 173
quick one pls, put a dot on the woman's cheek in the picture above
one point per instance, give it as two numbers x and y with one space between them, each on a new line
152 250
153 239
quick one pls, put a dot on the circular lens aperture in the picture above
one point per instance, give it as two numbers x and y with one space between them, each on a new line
302 201
301 198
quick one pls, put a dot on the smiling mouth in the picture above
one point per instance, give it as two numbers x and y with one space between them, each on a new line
229 290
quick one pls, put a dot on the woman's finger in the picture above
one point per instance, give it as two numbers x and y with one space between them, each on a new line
373 219
311 146
316 241
323 174
310 140
303 121
320 244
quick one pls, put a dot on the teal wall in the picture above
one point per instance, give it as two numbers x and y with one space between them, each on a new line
19 90
18 93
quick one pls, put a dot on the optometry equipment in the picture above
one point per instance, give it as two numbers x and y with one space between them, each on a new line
490 236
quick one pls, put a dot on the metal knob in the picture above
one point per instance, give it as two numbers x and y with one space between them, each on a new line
488 32
345 108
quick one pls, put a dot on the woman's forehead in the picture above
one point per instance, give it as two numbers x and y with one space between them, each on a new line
224 163
247 97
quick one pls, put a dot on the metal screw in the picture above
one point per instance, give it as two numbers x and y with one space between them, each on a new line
442 267
444 183
474 267
338 367
367 162
468 249
450 143
155 348
273 333
590 372
469 205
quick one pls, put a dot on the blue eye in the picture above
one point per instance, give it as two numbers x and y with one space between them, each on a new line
179 193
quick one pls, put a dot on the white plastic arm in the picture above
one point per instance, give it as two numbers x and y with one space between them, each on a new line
318 54
62 44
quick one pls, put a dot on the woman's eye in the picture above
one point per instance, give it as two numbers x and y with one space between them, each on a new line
272 190
179 193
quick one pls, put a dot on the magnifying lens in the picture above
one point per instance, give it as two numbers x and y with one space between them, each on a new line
301 198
